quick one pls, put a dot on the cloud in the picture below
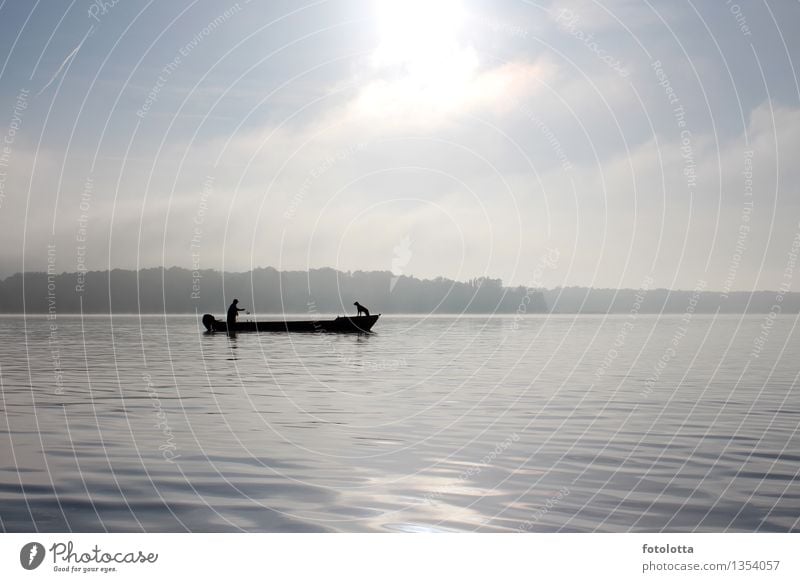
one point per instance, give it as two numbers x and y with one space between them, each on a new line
462 91
635 214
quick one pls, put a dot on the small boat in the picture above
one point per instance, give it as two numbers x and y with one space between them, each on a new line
359 324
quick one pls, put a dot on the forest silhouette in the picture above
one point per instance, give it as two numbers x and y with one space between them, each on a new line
328 291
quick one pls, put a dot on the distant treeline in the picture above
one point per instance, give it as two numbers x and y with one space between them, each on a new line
178 290
587 300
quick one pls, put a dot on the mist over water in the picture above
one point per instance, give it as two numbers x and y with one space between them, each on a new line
504 423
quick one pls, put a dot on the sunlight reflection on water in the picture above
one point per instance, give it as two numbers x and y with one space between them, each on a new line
430 424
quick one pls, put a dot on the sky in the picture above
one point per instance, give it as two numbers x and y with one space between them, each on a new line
613 143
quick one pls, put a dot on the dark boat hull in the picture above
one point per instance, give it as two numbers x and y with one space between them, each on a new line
361 324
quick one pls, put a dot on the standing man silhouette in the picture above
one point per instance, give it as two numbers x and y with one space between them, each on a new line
233 313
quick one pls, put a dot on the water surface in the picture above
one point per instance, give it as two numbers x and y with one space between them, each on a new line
543 423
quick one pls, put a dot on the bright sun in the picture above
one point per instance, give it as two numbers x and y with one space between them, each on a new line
425 69
421 36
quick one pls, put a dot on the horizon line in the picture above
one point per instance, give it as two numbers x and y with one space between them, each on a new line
410 276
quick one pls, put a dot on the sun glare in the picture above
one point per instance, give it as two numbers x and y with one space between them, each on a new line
421 48
423 38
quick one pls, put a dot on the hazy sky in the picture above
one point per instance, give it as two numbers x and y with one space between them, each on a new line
546 143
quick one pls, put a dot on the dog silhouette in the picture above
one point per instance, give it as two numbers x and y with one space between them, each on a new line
361 309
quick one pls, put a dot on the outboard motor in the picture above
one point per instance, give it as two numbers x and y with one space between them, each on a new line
208 322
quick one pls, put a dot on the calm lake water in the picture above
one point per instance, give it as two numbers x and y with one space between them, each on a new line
547 423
